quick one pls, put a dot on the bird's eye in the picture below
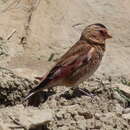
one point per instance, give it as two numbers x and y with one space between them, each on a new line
101 31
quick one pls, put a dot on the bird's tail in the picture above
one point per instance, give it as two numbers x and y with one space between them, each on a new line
37 89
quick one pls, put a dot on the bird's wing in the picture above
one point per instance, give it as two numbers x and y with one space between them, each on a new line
77 56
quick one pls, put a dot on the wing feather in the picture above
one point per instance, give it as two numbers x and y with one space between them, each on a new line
77 56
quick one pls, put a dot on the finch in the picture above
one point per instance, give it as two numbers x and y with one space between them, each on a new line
79 62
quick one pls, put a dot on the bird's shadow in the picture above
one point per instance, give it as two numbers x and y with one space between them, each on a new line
42 97
39 98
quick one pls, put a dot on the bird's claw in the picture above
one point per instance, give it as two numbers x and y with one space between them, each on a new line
86 92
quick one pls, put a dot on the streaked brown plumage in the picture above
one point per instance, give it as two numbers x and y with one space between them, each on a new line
78 63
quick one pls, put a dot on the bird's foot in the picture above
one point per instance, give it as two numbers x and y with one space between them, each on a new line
86 92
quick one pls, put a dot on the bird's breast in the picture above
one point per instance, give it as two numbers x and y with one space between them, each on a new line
84 72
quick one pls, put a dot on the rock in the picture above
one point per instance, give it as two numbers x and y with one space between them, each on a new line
27 118
3 126
13 88
126 111
86 114
104 117
119 109
98 124
59 115
126 116
33 118
82 124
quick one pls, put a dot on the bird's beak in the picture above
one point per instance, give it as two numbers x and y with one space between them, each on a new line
108 36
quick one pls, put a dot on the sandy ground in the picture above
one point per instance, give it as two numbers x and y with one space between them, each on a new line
35 33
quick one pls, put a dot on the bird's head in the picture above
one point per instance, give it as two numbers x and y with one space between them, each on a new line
96 33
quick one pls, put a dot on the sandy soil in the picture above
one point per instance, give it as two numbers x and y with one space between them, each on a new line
35 33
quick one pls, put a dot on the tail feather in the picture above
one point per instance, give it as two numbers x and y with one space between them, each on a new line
37 89
28 96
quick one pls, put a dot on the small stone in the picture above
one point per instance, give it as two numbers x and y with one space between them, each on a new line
126 116
98 124
126 111
104 117
82 124
28 118
97 116
59 115
87 115
119 109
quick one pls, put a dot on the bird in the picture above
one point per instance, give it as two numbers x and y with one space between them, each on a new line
79 62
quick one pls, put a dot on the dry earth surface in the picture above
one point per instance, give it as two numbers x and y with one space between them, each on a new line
33 35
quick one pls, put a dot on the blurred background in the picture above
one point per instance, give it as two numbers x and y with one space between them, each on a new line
37 32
